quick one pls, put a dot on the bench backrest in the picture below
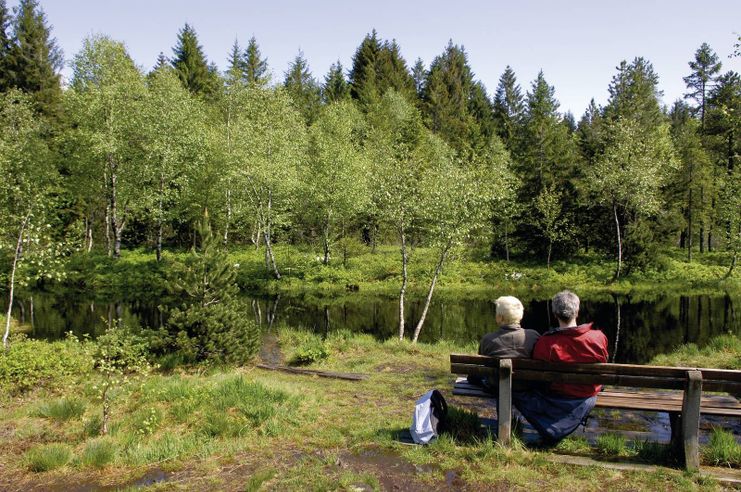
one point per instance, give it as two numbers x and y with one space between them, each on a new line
638 376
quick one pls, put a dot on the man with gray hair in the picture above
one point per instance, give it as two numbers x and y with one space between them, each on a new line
556 411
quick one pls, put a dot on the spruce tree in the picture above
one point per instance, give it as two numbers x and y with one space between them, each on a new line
191 64
482 110
35 57
419 74
363 86
634 94
446 96
705 67
303 89
509 107
392 71
255 66
335 86
6 76
235 71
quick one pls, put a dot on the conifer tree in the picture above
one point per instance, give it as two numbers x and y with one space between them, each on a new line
482 110
235 71
588 133
161 63
508 107
377 67
303 89
419 74
335 86
191 64
6 77
363 85
446 96
634 94
35 57
255 66
704 67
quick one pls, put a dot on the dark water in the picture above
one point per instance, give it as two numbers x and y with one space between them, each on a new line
638 329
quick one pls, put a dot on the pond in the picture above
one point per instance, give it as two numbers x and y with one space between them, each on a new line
637 328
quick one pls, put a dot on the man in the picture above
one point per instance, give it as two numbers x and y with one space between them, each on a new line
511 341
557 410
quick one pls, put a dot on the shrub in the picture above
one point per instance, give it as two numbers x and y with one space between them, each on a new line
48 457
32 363
61 410
309 354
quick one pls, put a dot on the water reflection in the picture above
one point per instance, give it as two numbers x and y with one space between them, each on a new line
637 329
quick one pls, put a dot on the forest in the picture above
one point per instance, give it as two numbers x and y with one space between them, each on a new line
383 152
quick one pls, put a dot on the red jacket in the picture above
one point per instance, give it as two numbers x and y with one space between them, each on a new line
578 344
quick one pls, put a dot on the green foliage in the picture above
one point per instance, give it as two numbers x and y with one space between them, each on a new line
30 364
303 89
722 449
61 410
48 457
309 353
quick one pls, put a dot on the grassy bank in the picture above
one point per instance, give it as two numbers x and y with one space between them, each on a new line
469 275
243 428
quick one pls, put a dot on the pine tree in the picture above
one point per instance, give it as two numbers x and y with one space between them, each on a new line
35 57
392 71
335 86
6 76
704 67
303 89
508 107
255 66
482 110
446 96
588 133
191 64
162 62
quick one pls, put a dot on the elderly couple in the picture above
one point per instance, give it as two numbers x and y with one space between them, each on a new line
557 409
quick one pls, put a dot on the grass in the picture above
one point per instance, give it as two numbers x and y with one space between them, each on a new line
722 352
249 429
722 450
61 410
48 457
610 444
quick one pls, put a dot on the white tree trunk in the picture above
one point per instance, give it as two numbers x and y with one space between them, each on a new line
426 308
14 267
402 291
619 242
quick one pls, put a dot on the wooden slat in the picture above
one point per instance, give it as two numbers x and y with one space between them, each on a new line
562 376
625 369
647 401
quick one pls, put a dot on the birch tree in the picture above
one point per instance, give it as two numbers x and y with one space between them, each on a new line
458 199
393 137
336 180
25 176
172 141
269 141
106 99
630 174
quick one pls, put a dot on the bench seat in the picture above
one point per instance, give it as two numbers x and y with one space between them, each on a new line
626 399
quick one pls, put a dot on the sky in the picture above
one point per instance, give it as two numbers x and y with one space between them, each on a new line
576 43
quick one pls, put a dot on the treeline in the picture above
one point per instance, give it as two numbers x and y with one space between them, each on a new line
380 152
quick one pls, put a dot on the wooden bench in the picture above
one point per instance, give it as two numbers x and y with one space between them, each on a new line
684 407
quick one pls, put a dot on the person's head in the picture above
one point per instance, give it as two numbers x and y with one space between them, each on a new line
565 307
509 310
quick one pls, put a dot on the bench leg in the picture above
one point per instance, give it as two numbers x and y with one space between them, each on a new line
691 420
504 402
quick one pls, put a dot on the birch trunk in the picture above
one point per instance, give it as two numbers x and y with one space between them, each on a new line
228 215
160 221
619 242
403 290
326 243
13 268
438 268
